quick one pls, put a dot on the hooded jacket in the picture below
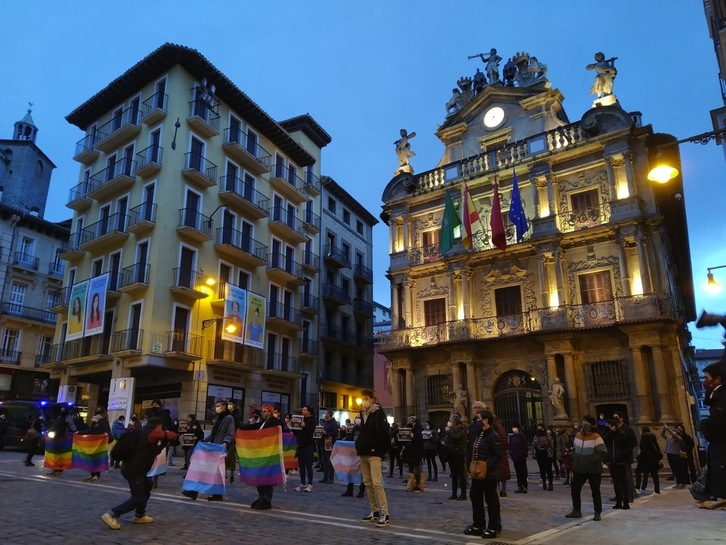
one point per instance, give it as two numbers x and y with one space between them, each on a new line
374 438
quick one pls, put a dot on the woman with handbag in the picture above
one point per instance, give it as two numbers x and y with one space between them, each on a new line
486 451
32 436
649 461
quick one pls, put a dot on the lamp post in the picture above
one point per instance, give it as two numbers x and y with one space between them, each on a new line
711 285
663 172
230 328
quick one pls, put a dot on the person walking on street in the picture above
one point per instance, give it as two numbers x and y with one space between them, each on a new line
151 440
372 444
485 447
589 453
413 453
443 451
563 445
518 452
649 461
618 447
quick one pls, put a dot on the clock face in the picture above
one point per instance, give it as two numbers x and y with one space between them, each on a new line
493 117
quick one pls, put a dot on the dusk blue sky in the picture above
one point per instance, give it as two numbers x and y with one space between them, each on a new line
364 70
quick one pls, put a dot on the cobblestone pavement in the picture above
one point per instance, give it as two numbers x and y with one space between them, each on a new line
38 509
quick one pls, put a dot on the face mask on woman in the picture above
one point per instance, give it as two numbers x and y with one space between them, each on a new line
219 410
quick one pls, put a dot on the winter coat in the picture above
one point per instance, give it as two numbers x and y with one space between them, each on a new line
487 447
222 430
331 428
151 441
432 443
518 446
714 431
589 453
618 448
503 471
374 438
542 447
456 441
413 450
99 425
304 435
649 452
118 428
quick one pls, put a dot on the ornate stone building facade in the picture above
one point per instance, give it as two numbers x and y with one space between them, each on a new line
596 291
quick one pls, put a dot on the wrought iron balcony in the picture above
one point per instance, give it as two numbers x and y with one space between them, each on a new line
235 353
277 311
333 255
362 274
189 283
10 357
363 307
309 347
240 246
311 261
334 294
240 195
288 183
148 161
311 220
56 268
244 148
285 363
194 225
26 261
154 108
309 302
86 152
127 340
106 233
286 224
78 199
178 343
142 218
283 269
122 127
135 277
312 183
203 115
27 313
88 349
112 180
199 170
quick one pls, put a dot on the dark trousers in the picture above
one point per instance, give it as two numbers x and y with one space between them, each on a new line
578 480
680 468
520 467
443 456
395 455
485 490
265 492
458 475
140 488
305 459
545 470
642 471
328 473
431 459
32 449
618 473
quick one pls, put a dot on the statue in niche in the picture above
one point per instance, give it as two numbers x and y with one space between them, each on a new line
557 398
460 401
605 75
403 150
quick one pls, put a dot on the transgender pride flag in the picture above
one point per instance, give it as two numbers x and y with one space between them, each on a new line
260 454
58 452
206 470
90 452
289 447
346 462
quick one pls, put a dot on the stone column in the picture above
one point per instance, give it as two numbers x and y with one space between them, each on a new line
642 386
560 258
550 195
410 403
407 287
535 196
544 288
471 384
611 178
662 384
640 241
571 392
624 273
455 291
628 160
395 310
466 279
406 241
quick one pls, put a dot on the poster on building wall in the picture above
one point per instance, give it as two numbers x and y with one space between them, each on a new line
96 302
77 311
235 305
255 329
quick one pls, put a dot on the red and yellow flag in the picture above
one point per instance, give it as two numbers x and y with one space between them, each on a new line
471 220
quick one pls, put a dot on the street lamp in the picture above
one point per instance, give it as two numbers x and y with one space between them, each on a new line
711 285
230 328
663 172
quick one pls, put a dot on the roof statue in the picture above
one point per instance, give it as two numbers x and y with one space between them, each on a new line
605 73
521 70
403 150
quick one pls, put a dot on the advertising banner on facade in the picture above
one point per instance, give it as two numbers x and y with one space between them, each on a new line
256 315
77 311
96 304
235 305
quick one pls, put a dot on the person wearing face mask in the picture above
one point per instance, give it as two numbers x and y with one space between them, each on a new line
589 453
456 451
676 454
543 452
305 448
196 430
222 434
430 448
412 454
264 492
714 430
518 452
371 446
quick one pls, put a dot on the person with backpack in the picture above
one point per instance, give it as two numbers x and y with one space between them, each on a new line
137 449
543 451
99 426
372 445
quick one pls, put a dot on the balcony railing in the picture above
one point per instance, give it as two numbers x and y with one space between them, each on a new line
27 313
250 145
205 170
312 182
138 273
205 108
118 128
636 308
582 219
127 339
154 107
179 341
278 260
361 272
280 170
332 252
148 160
79 192
308 300
237 353
190 217
309 346
25 260
86 148
242 241
187 278
361 306
276 361
115 223
244 190
124 168
56 268
283 312
145 212
11 357
42 359
88 347
311 219
331 291
311 259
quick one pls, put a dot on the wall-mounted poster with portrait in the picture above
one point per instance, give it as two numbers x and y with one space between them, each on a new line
235 304
77 311
96 304
255 329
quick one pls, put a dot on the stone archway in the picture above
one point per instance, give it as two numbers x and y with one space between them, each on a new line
518 401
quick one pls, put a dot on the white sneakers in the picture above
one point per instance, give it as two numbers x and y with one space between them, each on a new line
309 488
383 520
110 521
304 488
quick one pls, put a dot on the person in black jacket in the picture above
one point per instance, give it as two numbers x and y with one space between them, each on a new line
618 446
372 444
99 426
151 441
714 429
413 452
33 422
264 493
305 448
648 459
487 447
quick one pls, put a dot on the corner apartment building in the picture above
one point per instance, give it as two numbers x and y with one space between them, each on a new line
187 187
596 292
346 292
31 270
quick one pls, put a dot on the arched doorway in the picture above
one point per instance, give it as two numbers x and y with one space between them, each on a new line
518 400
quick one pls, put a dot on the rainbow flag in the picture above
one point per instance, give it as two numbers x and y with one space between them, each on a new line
346 462
289 446
90 452
261 459
58 452
206 469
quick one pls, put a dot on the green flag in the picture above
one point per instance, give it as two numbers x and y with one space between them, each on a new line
449 222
